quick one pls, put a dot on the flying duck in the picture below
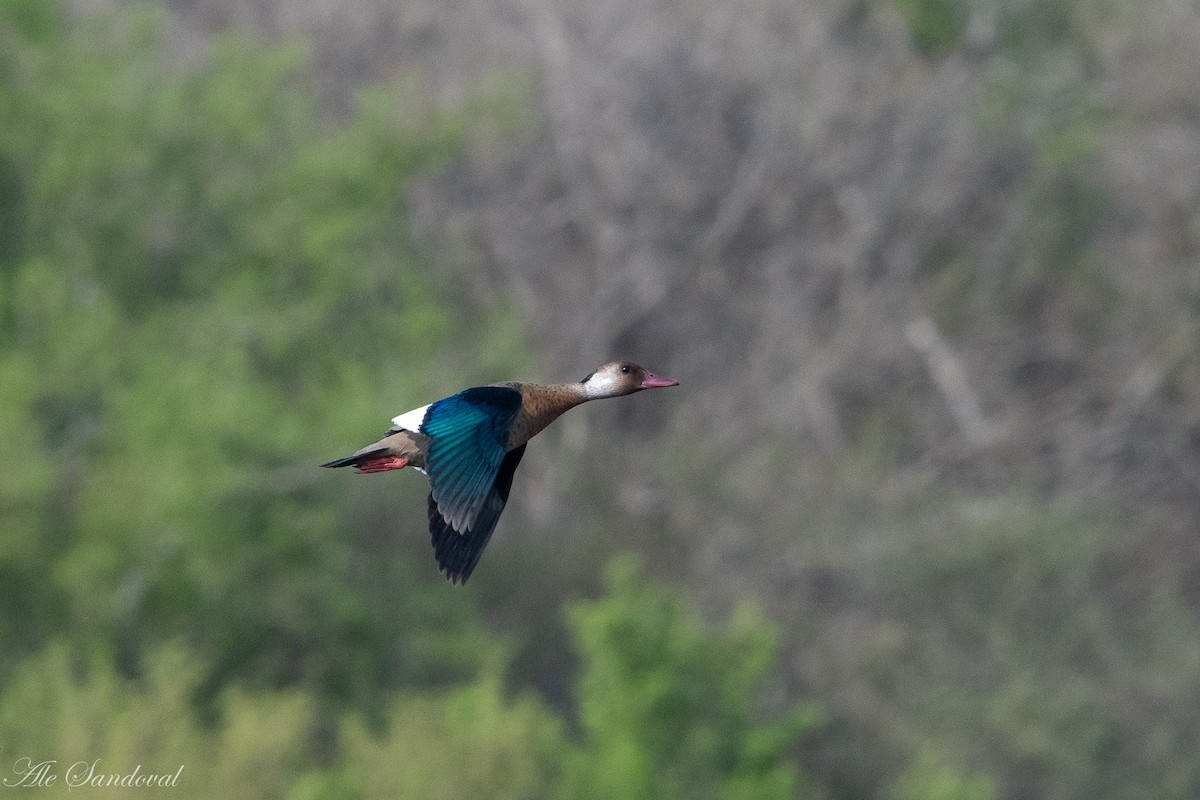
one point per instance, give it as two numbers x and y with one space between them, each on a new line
469 446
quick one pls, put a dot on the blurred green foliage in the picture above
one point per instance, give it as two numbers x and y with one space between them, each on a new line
668 711
204 285
469 741
198 272
935 26
1040 91
667 705
927 779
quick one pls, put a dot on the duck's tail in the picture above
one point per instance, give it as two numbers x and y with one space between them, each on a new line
375 460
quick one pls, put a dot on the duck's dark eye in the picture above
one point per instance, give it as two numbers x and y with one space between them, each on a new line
625 368
587 377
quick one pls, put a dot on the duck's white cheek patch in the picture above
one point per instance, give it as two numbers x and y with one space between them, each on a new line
411 420
601 385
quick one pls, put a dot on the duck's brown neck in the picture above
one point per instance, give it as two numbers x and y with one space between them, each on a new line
541 405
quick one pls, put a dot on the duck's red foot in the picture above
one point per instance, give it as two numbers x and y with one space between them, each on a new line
382 464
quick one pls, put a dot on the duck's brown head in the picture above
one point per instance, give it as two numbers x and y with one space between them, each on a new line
618 378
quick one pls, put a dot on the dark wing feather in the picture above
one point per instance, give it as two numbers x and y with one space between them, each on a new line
458 553
468 436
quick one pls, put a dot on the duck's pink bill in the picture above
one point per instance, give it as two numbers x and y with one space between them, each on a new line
653 381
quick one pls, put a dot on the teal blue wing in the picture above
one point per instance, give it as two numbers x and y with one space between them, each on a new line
468 437
458 553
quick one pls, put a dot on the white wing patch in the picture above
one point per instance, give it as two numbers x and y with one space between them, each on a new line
411 420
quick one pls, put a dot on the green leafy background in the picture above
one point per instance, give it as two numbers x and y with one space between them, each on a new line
211 281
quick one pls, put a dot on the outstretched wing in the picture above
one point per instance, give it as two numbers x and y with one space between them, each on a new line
468 436
458 553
